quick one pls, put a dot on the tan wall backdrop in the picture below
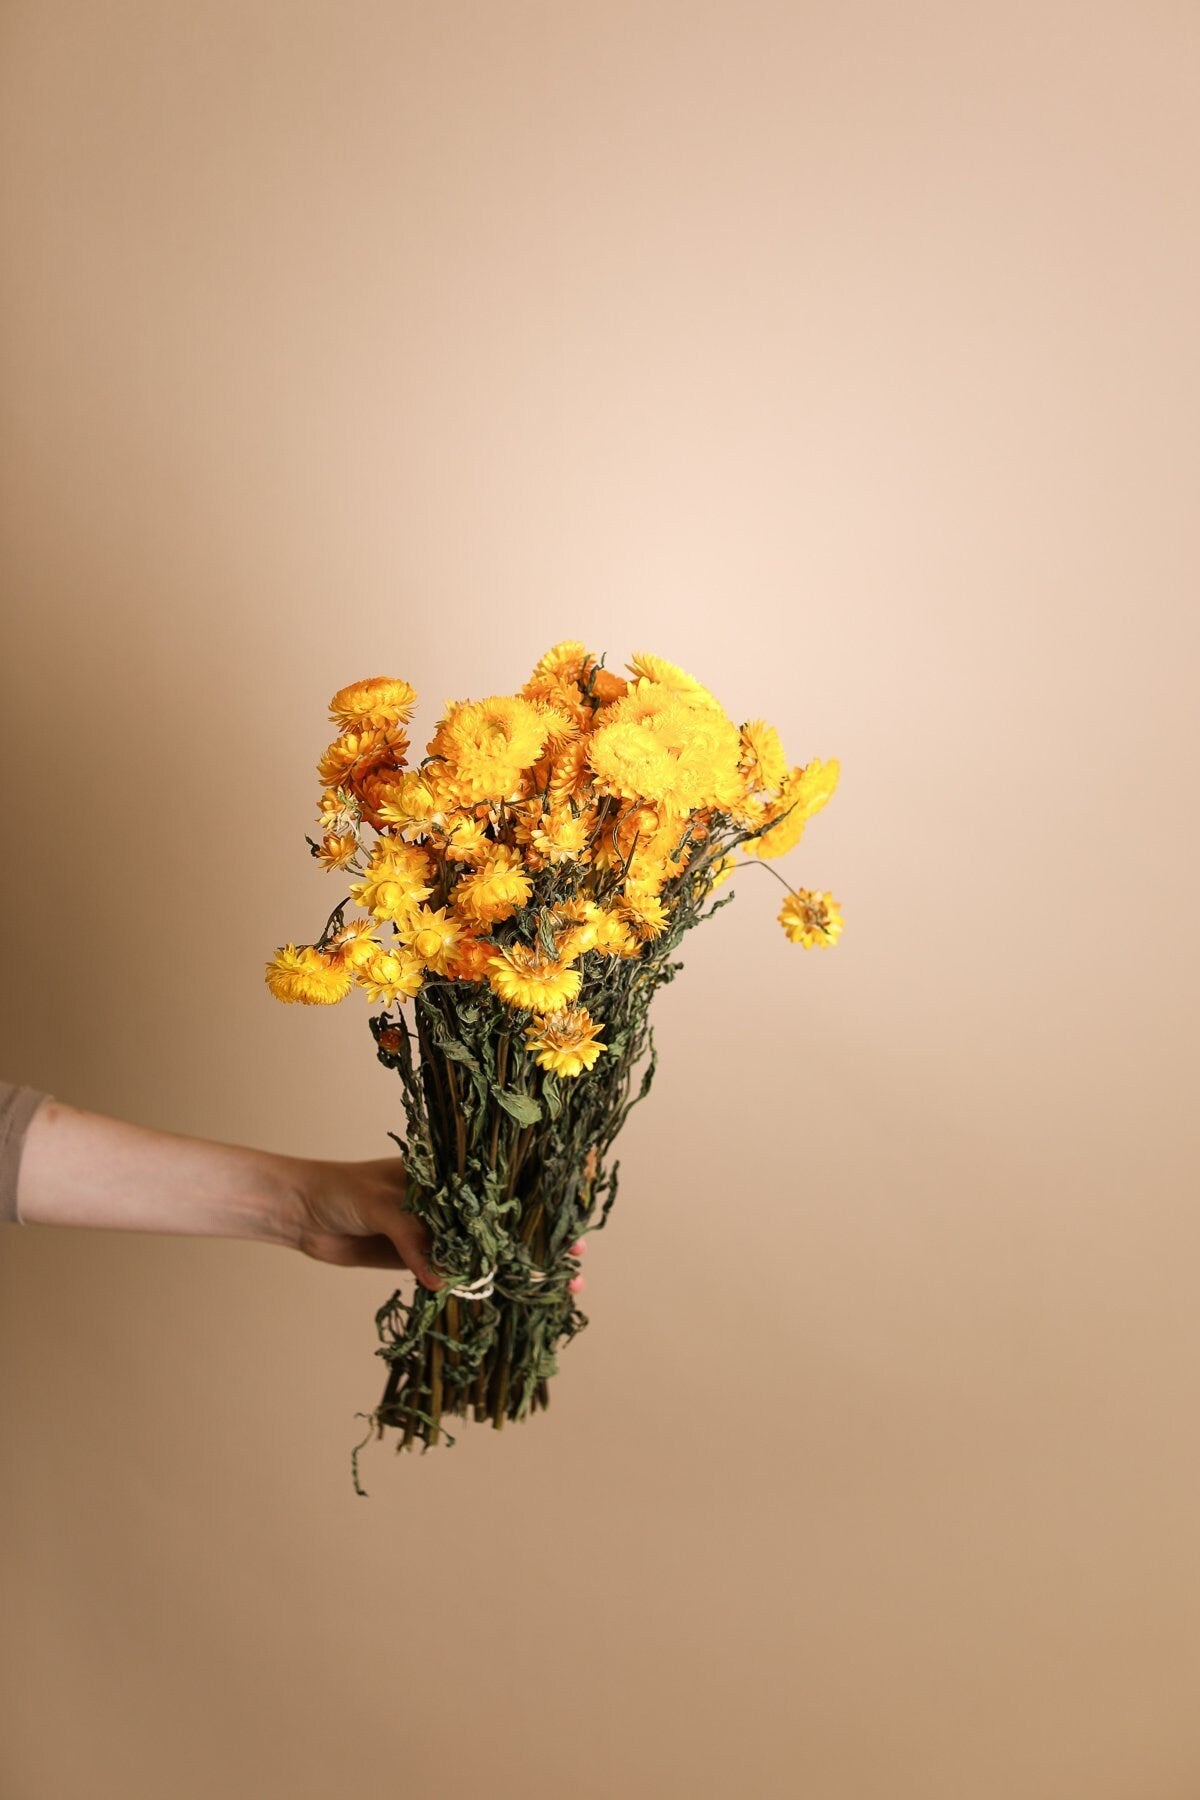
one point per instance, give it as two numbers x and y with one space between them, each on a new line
846 356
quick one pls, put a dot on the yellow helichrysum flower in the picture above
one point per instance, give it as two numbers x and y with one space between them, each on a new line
750 813
645 875
495 889
575 929
399 876
556 837
409 802
282 971
338 849
381 701
652 834
523 977
361 752
662 837
577 908
567 710
432 937
558 680
565 1041
644 911
662 710
804 791
340 811
573 940
629 760
389 896
811 918
566 674
702 748
488 743
467 840
303 974
390 975
393 855
471 959
354 943
562 724
366 762
607 686
568 660
613 936
816 783
669 675
762 757
706 764
568 776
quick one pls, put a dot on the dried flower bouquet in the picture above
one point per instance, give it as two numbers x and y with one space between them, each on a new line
526 886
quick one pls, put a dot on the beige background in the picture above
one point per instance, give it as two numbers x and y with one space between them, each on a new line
847 356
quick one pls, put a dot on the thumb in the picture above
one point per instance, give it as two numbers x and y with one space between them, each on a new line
412 1239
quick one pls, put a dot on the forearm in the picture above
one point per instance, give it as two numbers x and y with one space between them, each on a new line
81 1168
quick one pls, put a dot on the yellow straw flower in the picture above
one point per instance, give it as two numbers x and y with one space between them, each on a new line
557 837
575 930
381 701
523 977
495 889
389 975
762 760
613 936
467 839
391 855
409 802
811 918
645 912
387 896
487 743
701 747
338 849
804 791
303 974
432 937
398 879
669 675
565 1041
283 970
471 959
562 701
567 775
340 811
628 759
607 686
354 943
361 752
568 660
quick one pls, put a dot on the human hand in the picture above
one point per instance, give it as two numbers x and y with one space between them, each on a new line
353 1214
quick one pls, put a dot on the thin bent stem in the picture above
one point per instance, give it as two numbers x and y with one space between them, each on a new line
754 864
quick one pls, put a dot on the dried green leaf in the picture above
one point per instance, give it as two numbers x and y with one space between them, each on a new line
522 1107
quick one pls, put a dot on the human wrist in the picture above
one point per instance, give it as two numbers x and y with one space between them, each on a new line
279 1212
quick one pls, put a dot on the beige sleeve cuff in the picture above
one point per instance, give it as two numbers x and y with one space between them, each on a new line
17 1107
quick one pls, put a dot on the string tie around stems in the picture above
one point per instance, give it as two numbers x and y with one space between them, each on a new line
480 1289
485 1285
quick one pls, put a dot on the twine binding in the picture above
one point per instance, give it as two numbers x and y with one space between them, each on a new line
485 1285
477 1290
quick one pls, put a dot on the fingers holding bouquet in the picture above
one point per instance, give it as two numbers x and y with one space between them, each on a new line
355 1215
